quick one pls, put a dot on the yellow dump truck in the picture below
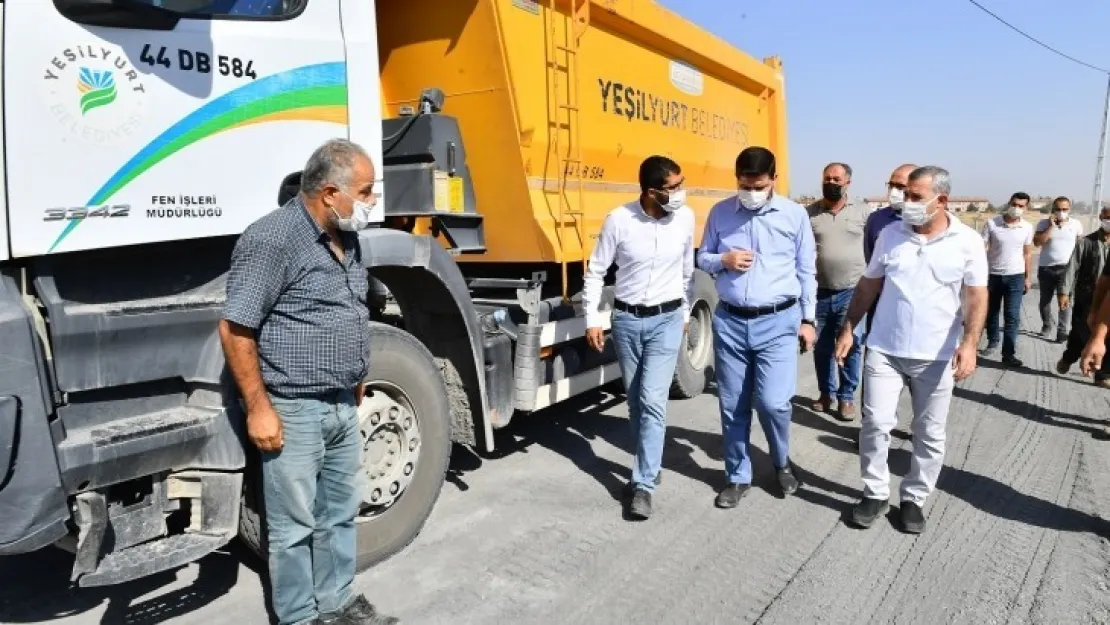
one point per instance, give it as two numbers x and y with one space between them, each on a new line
142 136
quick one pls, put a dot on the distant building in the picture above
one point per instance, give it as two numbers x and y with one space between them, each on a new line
955 204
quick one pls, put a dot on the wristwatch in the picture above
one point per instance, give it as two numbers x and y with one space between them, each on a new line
809 322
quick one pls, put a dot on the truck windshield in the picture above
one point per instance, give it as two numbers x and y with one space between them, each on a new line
246 8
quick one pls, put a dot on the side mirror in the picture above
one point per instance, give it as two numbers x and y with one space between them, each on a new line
290 187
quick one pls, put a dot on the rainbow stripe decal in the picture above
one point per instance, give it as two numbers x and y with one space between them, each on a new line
309 93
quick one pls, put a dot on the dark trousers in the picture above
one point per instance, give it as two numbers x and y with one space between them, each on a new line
1078 338
1008 290
1049 279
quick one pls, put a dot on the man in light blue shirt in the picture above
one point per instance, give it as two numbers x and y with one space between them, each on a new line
761 250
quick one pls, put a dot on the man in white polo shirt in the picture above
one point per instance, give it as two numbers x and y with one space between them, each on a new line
931 271
1009 240
651 240
1056 236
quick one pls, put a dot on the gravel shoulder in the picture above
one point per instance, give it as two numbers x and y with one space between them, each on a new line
1016 529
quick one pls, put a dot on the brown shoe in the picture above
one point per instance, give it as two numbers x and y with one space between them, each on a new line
1103 382
846 411
822 405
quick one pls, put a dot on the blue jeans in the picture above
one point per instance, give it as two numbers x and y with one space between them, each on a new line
1009 289
757 363
648 352
832 310
312 497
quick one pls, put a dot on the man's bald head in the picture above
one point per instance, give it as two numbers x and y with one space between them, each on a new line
901 175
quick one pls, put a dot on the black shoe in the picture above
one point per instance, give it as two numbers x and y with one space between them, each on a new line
787 481
1061 338
361 612
868 510
1012 361
730 495
640 508
913 519
630 488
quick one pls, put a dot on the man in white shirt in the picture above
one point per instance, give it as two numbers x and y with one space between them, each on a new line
1009 240
652 242
931 271
1056 236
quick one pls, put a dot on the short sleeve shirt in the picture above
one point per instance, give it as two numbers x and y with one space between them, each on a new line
1057 250
1006 245
306 306
919 314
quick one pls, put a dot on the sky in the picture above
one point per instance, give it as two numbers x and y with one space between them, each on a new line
875 83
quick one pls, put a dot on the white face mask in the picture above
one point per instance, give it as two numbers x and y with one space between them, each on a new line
360 215
917 213
1014 211
1106 225
753 200
1062 215
677 200
896 197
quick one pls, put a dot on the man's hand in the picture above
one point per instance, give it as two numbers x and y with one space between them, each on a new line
738 260
1028 284
360 393
264 429
807 335
965 361
1064 301
1091 360
595 338
844 342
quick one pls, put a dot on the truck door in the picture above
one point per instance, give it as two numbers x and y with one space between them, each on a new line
154 120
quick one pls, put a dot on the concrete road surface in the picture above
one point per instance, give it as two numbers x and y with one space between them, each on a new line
1016 530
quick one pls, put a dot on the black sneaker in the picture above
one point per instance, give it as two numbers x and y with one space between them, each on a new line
360 612
1012 361
913 518
640 508
787 481
630 488
868 510
731 494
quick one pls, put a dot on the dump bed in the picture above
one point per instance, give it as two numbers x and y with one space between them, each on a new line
559 102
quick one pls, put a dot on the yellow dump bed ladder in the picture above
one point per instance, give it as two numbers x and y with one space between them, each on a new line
563 38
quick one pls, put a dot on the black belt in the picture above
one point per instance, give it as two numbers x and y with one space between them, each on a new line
637 310
749 312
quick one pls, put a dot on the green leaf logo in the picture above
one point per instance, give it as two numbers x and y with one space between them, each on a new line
97 88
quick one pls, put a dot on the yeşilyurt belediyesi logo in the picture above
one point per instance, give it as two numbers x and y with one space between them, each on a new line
95 93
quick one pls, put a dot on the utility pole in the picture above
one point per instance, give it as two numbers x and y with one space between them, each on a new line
1096 205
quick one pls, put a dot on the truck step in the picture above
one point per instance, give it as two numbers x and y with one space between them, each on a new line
150 558
100 455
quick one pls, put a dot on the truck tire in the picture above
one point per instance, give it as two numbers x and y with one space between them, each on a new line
695 360
406 431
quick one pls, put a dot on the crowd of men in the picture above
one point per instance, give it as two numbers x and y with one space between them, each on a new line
883 299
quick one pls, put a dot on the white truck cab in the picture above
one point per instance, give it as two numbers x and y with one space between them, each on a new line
145 121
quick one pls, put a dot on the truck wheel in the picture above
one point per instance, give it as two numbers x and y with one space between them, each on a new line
406 432
695 362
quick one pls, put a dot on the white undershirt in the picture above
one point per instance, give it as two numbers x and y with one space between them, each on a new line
654 257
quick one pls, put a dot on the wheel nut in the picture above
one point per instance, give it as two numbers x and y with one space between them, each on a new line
394 412
408 422
408 469
376 495
375 418
394 488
